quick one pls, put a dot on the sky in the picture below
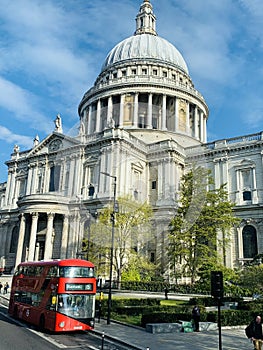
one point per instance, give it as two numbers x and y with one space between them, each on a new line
52 51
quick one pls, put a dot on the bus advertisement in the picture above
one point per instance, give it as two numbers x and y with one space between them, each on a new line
56 295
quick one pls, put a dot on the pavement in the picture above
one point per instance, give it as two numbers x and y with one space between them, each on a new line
232 338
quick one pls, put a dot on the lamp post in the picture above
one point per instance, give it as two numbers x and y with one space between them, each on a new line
112 243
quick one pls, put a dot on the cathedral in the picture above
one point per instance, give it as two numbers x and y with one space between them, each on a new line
141 126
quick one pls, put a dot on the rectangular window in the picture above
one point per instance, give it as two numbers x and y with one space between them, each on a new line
144 71
154 185
133 71
54 178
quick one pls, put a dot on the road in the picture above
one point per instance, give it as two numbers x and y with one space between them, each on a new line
18 335
15 336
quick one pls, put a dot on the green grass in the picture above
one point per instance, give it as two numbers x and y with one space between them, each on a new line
132 320
172 302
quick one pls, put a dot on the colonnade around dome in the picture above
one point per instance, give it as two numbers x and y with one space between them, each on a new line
141 110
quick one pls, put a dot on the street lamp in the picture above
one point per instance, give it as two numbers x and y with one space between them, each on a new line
112 242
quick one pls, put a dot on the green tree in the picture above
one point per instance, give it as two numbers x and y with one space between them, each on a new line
132 231
251 278
201 227
138 269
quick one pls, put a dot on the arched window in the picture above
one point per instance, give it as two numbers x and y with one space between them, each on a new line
250 245
14 240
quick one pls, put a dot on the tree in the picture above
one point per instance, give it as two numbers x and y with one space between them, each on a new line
138 269
201 227
132 232
251 278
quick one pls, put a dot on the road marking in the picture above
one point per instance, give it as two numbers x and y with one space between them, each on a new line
50 340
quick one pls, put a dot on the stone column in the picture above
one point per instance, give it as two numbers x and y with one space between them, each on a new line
109 111
48 243
254 187
33 236
164 115
187 126
121 110
176 114
21 237
29 180
136 110
89 119
150 112
64 239
240 250
196 123
98 116
9 179
238 187
202 127
205 134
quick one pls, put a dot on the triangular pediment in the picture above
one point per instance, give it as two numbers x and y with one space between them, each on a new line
54 142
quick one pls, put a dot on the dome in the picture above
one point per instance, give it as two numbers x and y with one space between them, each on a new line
148 47
145 44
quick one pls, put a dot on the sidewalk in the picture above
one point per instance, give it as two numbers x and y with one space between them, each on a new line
232 339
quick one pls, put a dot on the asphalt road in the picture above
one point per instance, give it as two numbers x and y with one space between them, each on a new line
14 336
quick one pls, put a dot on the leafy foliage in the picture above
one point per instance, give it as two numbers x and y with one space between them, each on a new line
202 225
132 227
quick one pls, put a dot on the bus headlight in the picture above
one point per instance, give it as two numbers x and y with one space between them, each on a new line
61 324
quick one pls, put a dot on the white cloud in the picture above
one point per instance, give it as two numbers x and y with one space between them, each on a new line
11 138
21 104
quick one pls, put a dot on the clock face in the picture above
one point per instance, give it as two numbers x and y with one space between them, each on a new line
55 145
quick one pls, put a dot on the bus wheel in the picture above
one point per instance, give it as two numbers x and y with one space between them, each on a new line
42 323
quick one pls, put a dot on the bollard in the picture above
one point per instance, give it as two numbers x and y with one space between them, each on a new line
102 341
147 348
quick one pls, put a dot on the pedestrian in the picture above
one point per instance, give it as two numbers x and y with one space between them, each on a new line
1 286
196 317
166 291
6 288
255 333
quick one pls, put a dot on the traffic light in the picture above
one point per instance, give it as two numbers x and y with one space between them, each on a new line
217 287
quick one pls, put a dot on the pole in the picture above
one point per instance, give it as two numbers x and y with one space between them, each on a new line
219 324
88 248
112 249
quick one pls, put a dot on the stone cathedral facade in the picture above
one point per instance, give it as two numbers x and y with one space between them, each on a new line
144 123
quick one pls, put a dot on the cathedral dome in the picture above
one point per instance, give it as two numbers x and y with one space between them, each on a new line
145 46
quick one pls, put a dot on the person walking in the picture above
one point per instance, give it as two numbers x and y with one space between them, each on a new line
6 288
255 333
196 317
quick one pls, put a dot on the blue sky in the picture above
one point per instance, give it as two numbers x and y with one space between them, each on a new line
52 51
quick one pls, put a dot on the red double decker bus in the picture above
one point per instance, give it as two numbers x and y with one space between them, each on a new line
57 295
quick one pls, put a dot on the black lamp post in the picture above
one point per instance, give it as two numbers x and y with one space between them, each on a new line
112 244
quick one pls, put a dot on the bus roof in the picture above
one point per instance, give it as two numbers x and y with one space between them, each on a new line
65 262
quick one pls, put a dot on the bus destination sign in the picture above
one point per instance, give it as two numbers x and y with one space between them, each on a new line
78 286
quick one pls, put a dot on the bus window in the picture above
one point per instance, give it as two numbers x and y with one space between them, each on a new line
53 271
74 271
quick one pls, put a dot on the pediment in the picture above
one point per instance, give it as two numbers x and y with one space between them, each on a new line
245 163
53 143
